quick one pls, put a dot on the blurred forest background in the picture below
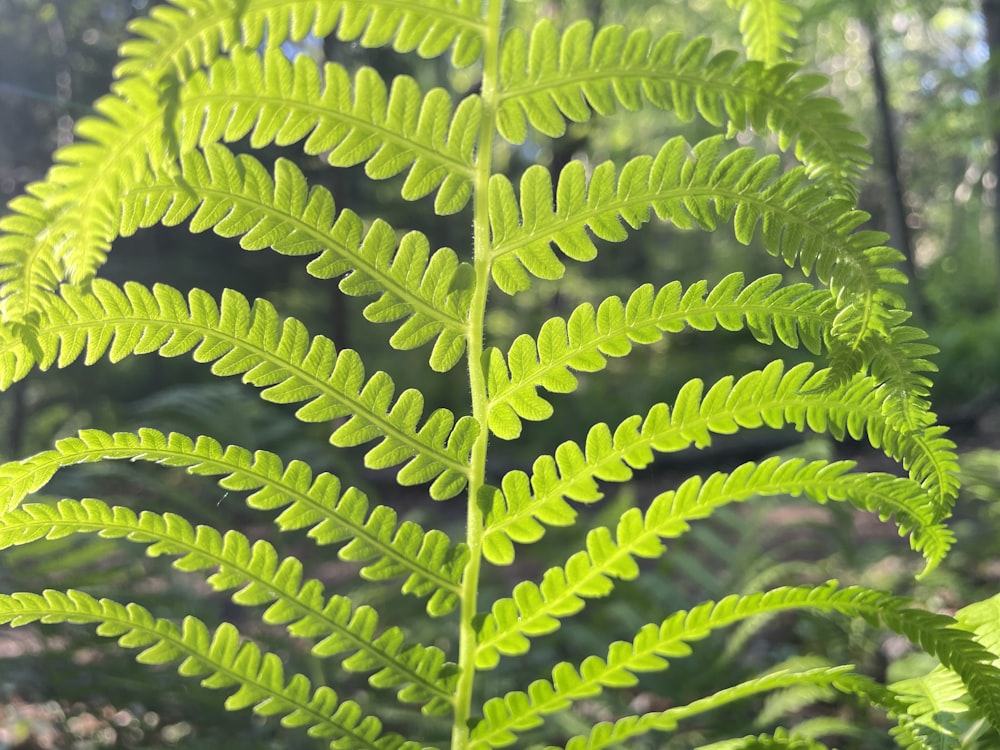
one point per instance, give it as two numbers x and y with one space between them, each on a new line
917 78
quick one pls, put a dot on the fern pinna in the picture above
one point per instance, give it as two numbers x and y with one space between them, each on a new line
202 73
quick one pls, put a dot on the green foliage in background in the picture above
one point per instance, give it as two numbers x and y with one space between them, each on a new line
199 74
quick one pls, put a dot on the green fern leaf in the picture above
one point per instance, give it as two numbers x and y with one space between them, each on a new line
256 679
548 79
278 356
27 272
769 27
688 186
46 229
420 673
816 727
772 397
874 693
981 618
432 564
926 454
893 352
607 734
780 739
799 223
938 711
390 130
235 196
594 674
908 504
792 700
958 650
188 34
936 704
655 645
536 609
794 314
141 129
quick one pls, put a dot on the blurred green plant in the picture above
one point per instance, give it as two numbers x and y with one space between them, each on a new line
199 73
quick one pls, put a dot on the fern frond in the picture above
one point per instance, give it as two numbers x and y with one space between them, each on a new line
926 453
220 658
655 645
332 515
419 673
516 711
793 314
792 700
235 196
772 397
799 223
536 609
548 78
689 186
936 704
894 353
607 734
908 504
202 73
780 739
938 710
911 736
68 214
827 726
188 34
900 368
982 618
360 121
276 355
874 693
768 27
142 130
27 272
958 650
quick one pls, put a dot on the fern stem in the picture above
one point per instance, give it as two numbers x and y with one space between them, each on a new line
477 377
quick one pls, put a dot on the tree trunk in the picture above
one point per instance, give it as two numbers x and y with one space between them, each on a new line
898 209
991 15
